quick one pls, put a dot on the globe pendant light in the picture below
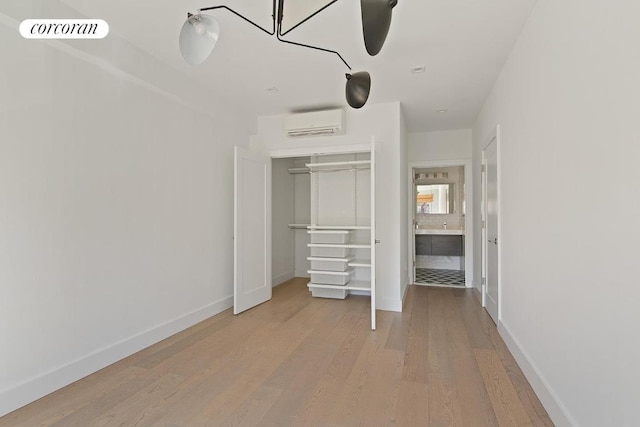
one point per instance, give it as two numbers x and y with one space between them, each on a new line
376 20
358 88
198 37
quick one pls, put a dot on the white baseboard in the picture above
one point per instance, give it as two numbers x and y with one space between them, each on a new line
404 295
278 280
549 399
35 388
478 294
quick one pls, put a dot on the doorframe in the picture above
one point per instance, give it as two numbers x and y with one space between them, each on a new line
494 135
468 218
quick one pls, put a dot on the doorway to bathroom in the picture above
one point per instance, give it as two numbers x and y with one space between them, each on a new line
439 223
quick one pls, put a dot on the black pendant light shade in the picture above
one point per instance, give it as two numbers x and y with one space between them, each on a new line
358 88
376 20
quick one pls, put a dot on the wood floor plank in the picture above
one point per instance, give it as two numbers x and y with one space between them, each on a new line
527 396
438 357
298 360
445 407
468 307
107 401
486 333
415 366
413 404
252 411
476 405
353 401
298 372
250 368
504 398
72 398
382 390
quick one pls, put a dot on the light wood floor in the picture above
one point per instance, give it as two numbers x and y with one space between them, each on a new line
298 360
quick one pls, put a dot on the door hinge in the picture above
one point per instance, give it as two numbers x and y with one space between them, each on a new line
484 169
484 224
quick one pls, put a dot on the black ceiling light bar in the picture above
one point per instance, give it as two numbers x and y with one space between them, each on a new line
272 32
305 19
199 35
279 32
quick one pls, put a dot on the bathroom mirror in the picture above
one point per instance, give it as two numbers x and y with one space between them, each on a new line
435 199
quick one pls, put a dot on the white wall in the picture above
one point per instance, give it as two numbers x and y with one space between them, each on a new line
567 102
282 214
381 121
439 145
116 203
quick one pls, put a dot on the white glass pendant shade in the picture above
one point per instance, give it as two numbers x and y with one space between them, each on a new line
198 37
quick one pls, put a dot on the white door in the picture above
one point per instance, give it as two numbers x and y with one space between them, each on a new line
491 288
252 230
414 223
372 235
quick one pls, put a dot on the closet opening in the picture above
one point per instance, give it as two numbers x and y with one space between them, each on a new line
323 224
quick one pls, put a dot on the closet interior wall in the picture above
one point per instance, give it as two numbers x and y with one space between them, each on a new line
290 216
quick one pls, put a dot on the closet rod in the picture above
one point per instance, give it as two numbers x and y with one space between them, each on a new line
340 170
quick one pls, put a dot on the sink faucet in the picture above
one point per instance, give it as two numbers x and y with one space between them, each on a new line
445 225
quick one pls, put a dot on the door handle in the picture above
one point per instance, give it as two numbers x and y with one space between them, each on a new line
377 241
494 241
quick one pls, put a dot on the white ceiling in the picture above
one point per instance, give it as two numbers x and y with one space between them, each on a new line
462 43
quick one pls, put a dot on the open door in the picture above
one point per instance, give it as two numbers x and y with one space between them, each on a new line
251 230
374 240
491 290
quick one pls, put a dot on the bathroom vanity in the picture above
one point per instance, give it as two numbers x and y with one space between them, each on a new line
439 242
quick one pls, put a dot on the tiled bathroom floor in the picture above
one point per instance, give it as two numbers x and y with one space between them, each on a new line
440 277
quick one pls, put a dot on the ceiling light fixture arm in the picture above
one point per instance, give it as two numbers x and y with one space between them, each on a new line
272 32
280 33
313 47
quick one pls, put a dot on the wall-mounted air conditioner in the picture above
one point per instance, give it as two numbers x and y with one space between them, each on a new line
315 123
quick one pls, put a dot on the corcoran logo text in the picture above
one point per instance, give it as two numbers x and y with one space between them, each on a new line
64 29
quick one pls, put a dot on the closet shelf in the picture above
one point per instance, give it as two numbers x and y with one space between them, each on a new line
354 285
299 226
294 171
329 259
339 245
360 263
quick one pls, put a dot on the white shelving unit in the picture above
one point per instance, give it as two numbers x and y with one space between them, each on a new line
343 228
